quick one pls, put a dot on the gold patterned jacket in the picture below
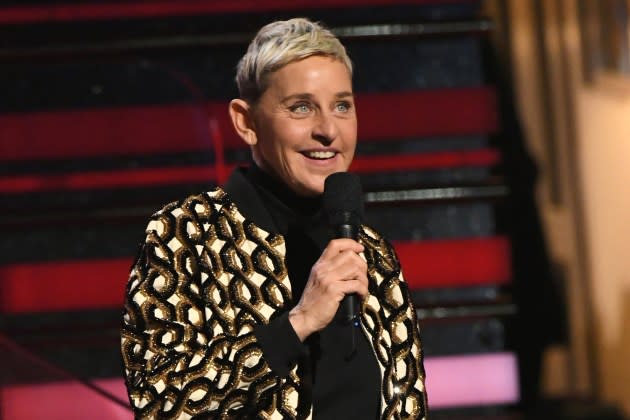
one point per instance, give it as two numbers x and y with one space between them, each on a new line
204 277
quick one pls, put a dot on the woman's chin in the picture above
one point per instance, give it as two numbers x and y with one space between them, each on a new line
311 182
308 188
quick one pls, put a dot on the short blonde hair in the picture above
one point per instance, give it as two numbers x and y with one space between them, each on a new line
280 43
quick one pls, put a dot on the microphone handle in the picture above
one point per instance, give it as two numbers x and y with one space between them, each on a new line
349 307
347 230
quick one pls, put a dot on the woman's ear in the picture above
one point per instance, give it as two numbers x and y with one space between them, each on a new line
241 115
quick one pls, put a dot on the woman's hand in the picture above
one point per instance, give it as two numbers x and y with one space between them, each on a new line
338 271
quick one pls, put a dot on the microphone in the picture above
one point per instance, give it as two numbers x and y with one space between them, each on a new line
343 205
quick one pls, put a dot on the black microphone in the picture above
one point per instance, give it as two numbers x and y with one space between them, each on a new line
343 204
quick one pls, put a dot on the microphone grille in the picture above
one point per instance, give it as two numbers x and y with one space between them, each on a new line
343 194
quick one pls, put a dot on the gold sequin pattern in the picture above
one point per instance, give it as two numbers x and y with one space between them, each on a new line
205 276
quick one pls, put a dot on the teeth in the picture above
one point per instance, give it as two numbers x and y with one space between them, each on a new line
320 155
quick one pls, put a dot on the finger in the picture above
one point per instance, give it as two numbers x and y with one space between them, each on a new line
327 275
351 273
337 246
353 286
346 269
347 263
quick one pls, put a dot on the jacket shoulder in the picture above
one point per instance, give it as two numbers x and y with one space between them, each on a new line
380 246
199 206
196 203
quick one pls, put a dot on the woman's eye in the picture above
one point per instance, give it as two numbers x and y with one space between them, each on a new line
343 107
300 108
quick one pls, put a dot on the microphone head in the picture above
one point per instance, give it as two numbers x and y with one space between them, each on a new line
343 199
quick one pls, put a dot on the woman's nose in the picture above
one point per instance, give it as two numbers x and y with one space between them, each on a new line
325 129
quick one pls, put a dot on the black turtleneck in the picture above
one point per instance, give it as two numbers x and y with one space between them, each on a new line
342 387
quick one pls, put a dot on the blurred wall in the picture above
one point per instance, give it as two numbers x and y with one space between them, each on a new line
578 129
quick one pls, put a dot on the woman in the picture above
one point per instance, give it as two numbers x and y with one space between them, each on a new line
230 305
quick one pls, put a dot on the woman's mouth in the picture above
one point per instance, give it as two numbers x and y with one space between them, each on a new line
320 155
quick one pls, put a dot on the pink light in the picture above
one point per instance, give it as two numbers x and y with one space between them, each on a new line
471 380
68 400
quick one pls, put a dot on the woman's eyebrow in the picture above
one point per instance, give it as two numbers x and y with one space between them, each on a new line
308 96
305 96
344 94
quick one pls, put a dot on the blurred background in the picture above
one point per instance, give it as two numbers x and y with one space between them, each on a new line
494 142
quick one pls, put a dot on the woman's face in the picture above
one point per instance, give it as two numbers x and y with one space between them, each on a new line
305 123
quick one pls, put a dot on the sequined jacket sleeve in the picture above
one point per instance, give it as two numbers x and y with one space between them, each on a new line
203 279
412 351
391 321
